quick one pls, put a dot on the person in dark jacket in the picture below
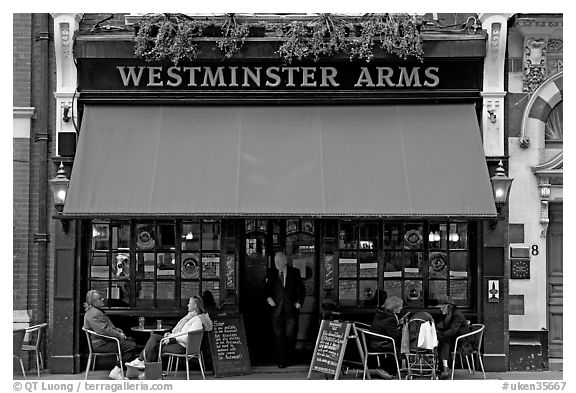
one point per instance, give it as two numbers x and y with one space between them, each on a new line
285 293
98 322
452 325
386 322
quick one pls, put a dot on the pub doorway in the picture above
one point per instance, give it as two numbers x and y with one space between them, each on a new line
262 238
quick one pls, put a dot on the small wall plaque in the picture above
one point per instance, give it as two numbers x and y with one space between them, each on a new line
520 269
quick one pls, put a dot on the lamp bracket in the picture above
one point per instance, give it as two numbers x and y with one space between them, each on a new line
41 238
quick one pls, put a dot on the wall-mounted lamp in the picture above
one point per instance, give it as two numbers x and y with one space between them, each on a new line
66 113
492 116
60 188
501 189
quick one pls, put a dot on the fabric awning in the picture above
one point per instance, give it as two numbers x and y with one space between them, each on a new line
411 160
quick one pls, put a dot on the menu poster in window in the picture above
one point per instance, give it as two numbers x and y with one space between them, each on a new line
330 347
228 346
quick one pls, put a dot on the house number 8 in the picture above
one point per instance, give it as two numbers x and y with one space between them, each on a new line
534 249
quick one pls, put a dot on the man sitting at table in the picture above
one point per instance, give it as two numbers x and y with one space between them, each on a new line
387 323
196 319
96 321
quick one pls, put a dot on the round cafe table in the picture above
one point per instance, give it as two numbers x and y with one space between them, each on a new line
151 329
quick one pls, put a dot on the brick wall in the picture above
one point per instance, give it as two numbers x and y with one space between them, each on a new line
22 58
20 214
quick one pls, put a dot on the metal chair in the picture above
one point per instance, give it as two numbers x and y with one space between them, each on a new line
18 338
367 353
193 351
92 354
476 335
34 344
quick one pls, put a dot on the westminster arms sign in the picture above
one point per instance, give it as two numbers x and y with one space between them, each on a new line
97 74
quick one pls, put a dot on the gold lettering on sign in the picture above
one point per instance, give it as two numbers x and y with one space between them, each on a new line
275 76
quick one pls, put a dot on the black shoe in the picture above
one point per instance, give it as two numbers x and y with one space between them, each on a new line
445 374
281 365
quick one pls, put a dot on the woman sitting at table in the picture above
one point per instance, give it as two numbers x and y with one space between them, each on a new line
196 319
386 322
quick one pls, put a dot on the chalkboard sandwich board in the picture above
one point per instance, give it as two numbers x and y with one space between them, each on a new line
330 348
228 346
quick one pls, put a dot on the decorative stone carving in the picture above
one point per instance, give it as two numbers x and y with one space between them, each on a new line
534 64
65 34
544 203
555 46
495 39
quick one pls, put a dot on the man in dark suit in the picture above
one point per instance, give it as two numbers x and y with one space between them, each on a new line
285 293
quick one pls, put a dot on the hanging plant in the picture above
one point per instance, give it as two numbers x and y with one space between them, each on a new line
173 37
324 36
164 37
397 34
234 35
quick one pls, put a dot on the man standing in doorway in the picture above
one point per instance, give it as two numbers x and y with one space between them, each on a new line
285 293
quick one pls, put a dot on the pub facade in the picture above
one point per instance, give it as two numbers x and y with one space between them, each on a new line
186 178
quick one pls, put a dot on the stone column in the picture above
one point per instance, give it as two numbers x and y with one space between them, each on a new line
65 302
496 25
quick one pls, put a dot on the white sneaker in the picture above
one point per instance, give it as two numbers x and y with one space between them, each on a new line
116 373
136 363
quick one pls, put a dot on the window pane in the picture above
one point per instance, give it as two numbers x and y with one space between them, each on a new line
165 294
368 290
145 265
438 289
187 290
459 264
166 265
413 236
330 234
100 236
438 265
191 236
190 265
167 235
256 245
392 237
413 264
553 129
393 288
460 290
393 264
308 226
210 265
211 292
120 294
291 226
347 265
438 236
145 291
145 237
458 235
211 235
120 236
413 295
368 234
121 265
368 264
347 292
348 235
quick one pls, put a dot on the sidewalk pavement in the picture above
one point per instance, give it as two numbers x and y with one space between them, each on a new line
301 373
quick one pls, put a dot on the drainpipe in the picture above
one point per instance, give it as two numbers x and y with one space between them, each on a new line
41 139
